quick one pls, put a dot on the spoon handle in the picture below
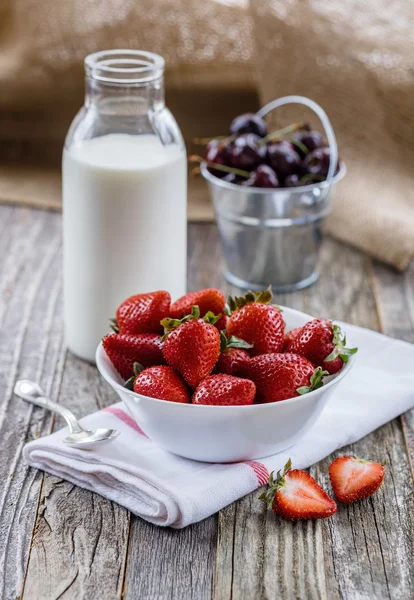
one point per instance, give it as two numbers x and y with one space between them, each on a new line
37 398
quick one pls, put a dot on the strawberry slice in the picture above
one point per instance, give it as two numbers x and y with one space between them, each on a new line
296 495
355 479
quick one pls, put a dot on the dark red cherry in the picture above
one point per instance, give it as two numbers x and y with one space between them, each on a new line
248 123
245 153
283 158
318 161
292 181
232 178
263 177
310 139
217 152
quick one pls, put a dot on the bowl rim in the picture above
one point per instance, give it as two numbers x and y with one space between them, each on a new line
248 190
100 356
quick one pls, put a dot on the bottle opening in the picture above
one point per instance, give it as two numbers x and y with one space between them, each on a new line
130 67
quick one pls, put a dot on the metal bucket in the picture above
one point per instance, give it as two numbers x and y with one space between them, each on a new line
274 235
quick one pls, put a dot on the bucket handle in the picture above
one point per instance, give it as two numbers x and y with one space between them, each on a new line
323 117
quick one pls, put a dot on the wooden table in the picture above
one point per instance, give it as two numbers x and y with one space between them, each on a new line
58 541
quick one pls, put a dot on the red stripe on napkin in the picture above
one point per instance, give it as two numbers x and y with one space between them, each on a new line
261 472
123 416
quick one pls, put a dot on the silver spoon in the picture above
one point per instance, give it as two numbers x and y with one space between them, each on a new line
78 436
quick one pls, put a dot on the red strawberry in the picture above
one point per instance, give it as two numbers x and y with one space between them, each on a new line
124 350
224 390
142 313
192 346
323 343
290 336
222 322
231 361
208 300
296 495
355 479
162 383
282 376
255 320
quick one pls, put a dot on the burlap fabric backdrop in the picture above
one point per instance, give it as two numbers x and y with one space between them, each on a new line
355 58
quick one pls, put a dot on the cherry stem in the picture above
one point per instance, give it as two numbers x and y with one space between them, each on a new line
224 168
311 177
299 145
276 135
223 139
205 141
195 171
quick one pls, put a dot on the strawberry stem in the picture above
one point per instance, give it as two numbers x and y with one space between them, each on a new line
299 145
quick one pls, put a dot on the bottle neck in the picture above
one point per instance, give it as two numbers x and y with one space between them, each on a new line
124 82
124 99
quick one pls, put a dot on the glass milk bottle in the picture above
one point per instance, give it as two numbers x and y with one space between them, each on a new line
124 195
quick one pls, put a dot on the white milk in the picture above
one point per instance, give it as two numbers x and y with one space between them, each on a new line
124 203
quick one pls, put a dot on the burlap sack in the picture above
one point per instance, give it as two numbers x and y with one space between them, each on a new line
357 60
354 58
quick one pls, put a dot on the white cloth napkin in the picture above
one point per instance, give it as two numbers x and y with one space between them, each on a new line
168 490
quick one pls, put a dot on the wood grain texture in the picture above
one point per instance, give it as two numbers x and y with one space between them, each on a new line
395 297
80 540
30 346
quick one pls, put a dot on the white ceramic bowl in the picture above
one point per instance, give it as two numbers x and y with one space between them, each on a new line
225 433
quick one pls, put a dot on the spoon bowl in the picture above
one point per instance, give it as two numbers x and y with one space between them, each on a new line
78 435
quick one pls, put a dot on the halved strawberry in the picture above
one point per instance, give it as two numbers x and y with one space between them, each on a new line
142 313
355 479
124 350
295 494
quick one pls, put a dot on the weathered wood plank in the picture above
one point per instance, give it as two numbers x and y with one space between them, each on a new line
367 545
30 346
173 564
395 294
80 539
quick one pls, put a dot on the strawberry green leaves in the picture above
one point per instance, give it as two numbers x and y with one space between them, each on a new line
268 496
339 340
264 297
315 381
129 384
232 342
169 324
